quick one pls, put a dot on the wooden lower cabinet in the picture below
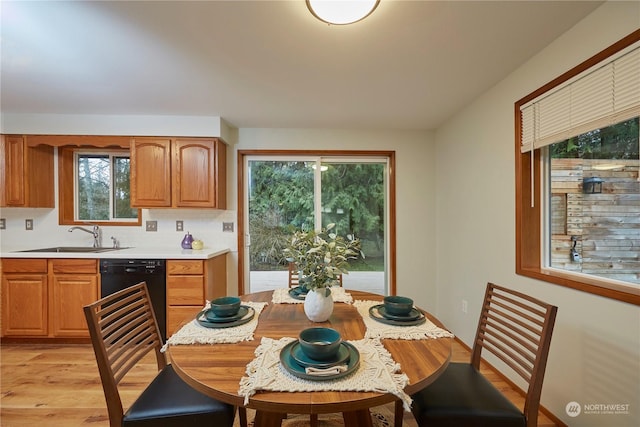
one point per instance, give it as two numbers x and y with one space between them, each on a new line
69 293
44 298
24 305
25 298
189 284
73 284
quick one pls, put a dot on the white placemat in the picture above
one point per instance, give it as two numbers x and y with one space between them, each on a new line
194 333
281 296
380 330
378 372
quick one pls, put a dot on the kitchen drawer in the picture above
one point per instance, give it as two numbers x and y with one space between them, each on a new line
18 265
185 267
74 266
185 290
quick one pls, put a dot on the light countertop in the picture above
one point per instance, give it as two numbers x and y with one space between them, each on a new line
128 253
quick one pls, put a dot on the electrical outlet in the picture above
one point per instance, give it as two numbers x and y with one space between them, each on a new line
465 306
152 225
3 224
28 224
227 226
179 225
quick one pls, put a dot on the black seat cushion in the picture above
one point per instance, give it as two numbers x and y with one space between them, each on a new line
168 401
463 397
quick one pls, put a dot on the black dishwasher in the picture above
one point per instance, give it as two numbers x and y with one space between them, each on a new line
118 274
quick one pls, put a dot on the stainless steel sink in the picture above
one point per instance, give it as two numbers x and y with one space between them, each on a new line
83 249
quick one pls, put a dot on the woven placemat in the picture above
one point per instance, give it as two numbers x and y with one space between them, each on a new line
378 372
194 333
380 330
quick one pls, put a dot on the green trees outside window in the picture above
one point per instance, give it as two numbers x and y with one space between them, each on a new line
282 199
102 187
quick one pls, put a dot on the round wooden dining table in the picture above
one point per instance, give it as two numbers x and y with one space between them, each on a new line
216 369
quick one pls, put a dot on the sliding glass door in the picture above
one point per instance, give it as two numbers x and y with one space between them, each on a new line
288 193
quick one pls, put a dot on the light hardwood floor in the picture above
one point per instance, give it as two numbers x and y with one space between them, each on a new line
58 385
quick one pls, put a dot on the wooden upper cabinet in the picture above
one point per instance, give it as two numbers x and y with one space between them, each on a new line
150 171
178 172
26 173
194 166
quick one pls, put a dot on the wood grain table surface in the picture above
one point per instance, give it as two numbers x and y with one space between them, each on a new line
216 370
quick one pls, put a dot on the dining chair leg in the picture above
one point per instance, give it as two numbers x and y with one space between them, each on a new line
398 414
313 420
242 414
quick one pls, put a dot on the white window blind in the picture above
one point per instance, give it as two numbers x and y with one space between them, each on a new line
607 93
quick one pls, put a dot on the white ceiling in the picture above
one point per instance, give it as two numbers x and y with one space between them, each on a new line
410 65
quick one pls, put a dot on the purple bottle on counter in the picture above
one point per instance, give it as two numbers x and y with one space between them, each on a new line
186 242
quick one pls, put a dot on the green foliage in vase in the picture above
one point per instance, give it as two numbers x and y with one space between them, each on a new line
321 256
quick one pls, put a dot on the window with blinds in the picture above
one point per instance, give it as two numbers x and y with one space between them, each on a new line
578 176
606 94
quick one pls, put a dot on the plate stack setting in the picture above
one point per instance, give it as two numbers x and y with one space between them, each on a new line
225 312
319 354
398 311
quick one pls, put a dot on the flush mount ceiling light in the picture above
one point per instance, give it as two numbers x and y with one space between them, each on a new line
341 12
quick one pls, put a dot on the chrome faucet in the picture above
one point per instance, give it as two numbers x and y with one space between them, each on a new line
95 232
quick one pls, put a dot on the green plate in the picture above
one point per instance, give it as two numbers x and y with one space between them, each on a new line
413 314
211 316
374 313
202 320
305 361
290 365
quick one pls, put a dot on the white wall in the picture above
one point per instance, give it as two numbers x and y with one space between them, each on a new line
595 351
95 124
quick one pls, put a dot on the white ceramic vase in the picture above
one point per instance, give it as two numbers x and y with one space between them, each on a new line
317 306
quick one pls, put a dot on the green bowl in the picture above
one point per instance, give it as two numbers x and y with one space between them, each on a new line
320 343
225 306
397 305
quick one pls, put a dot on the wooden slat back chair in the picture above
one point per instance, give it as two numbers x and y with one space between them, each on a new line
123 330
294 276
516 329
